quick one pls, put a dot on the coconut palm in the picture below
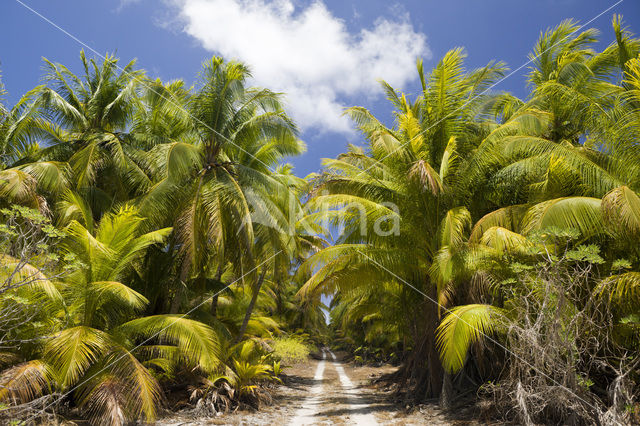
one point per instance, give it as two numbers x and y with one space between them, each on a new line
17 127
207 186
23 181
89 118
398 204
283 236
104 353
505 238
551 145
454 156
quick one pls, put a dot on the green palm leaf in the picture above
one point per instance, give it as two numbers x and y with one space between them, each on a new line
453 226
118 293
621 208
622 289
120 389
15 272
74 350
197 341
579 213
463 326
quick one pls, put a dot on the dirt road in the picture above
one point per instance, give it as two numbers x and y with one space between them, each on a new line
357 407
328 392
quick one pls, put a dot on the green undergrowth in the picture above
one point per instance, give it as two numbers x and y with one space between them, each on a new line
291 349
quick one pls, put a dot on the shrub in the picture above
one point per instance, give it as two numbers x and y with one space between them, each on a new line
291 349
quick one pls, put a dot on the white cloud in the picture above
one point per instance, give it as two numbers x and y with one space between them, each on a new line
308 53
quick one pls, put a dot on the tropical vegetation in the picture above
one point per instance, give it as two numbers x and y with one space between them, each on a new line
487 239
154 238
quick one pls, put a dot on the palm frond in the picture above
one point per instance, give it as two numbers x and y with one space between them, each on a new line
197 341
463 326
582 214
24 382
621 212
74 350
622 289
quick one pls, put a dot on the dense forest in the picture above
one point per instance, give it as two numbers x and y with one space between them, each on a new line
154 240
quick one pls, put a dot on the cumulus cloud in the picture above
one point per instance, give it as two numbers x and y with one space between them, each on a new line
306 52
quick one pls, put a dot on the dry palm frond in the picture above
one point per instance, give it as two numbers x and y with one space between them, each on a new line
24 382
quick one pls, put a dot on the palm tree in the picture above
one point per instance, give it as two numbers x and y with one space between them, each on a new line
203 184
103 354
20 128
414 166
89 118
556 142
613 220
456 155
281 232
16 127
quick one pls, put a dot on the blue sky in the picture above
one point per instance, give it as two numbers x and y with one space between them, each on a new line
325 55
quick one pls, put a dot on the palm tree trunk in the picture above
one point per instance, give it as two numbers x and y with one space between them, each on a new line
252 304
424 364
177 300
446 396
177 297
434 366
214 306
214 300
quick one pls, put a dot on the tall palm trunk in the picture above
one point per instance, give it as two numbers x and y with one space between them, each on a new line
435 372
180 292
446 396
214 300
214 306
252 304
177 299
423 368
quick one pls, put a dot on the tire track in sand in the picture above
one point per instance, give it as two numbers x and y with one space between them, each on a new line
359 408
312 407
306 415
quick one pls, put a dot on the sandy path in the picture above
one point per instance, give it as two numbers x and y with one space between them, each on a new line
360 410
327 391
318 401
306 414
